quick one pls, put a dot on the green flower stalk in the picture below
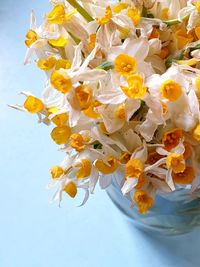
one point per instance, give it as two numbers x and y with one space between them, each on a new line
81 10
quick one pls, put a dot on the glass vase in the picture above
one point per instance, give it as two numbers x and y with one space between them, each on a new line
173 213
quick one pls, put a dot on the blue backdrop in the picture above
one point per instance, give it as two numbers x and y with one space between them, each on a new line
34 233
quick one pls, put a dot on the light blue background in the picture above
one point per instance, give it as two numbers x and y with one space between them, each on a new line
34 233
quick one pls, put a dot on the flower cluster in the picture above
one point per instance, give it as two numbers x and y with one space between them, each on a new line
122 94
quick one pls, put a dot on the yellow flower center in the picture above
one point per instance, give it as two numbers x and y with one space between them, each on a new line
60 119
119 7
46 64
176 162
60 42
134 168
125 64
62 64
183 38
106 18
84 96
135 88
164 13
196 133
91 112
120 112
70 189
56 172
61 135
58 15
33 104
77 142
171 90
107 168
85 168
60 82
143 201
198 6
31 38
172 138
134 15
185 177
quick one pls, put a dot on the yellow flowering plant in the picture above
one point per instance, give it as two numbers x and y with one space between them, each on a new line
122 94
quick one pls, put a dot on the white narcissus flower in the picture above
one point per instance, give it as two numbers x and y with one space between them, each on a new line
122 92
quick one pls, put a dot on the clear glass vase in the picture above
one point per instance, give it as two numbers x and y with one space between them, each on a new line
173 213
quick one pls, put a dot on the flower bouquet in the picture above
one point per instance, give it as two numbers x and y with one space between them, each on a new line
122 97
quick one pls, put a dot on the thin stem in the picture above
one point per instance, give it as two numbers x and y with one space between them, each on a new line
81 10
106 66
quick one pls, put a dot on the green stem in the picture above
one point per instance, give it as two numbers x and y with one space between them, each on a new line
172 22
175 21
105 66
81 10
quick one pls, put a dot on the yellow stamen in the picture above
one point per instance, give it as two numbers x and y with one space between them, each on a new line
46 64
61 135
143 201
85 168
176 162
125 64
172 138
33 104
171 90
60 82
136 88
134 15
106 18
77 142
31 38
70 189
56 172
107 169
134 168
60 42
84 95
